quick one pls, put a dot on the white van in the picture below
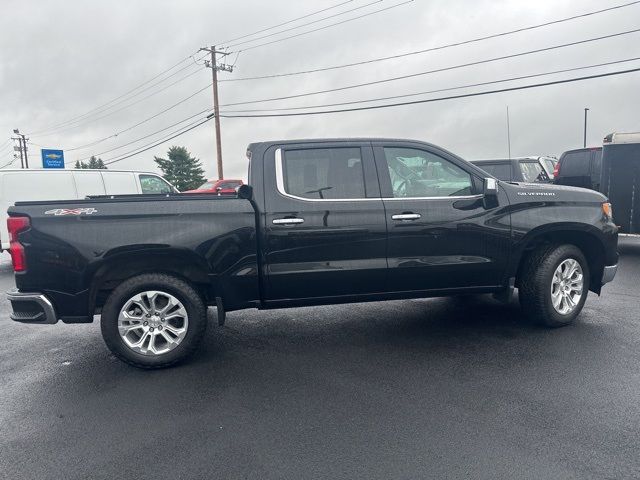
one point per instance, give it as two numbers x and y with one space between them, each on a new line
46 184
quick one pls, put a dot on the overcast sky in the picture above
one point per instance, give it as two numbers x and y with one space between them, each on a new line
61 59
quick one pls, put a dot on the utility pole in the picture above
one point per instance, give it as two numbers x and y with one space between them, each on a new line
22 143
213 65
19 149
584 143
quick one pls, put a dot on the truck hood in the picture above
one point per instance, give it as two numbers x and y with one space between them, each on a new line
520 191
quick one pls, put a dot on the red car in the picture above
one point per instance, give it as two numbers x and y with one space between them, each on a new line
221 187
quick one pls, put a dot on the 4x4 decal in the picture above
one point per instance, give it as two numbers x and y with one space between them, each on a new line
71 211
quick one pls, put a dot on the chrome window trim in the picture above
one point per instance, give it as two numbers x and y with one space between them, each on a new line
456 197
281 190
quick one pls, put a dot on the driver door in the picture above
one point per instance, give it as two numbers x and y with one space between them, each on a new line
440 233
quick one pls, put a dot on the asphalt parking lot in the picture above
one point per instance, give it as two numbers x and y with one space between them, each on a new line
442 388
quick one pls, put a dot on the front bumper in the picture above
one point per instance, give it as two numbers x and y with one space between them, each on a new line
31 308
609 273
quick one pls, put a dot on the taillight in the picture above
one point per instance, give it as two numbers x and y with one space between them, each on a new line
556 170
15 225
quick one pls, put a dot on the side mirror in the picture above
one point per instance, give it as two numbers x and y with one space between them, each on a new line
245 192
218 189
490 188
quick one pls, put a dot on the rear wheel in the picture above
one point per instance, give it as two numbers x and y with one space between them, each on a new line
153 321
554 285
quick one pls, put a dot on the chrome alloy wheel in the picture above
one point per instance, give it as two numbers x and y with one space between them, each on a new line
153 322
566 286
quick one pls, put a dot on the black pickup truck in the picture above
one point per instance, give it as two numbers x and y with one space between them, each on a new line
321 222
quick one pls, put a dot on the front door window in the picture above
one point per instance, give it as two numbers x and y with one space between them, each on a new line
416 173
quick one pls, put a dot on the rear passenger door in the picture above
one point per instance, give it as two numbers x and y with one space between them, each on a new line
441 232
325 230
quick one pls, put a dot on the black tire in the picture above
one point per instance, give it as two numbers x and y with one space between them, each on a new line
185 293
535 284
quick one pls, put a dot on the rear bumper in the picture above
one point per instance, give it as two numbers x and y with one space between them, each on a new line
31 308
609 273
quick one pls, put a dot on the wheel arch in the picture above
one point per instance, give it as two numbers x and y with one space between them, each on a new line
585 237
121 266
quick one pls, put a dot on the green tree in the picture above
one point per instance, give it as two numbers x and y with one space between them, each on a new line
95 163
181 169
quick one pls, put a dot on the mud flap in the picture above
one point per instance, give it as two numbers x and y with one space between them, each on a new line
222 315
506 295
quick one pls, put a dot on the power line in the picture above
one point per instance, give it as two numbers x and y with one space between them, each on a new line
86 119
9 163
130 105
459 87
149 147
118 97
374 107
432 49
439 99
324 27
142 138
304 24
131 127
284 23
428 72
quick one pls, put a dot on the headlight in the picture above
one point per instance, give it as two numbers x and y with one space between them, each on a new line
607 211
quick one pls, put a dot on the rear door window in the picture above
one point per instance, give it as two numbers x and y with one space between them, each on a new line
323 173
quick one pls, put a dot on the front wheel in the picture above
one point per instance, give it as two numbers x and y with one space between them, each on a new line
153 320
554 285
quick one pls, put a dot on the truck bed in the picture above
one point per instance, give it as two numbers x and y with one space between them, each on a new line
70 242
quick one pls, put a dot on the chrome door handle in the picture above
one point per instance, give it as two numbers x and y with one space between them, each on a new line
288 221
406 216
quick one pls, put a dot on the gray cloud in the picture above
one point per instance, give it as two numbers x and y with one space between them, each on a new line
61 59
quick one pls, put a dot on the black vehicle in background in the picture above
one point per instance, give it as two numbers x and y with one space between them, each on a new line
621 179
529 169
321 222
580 168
